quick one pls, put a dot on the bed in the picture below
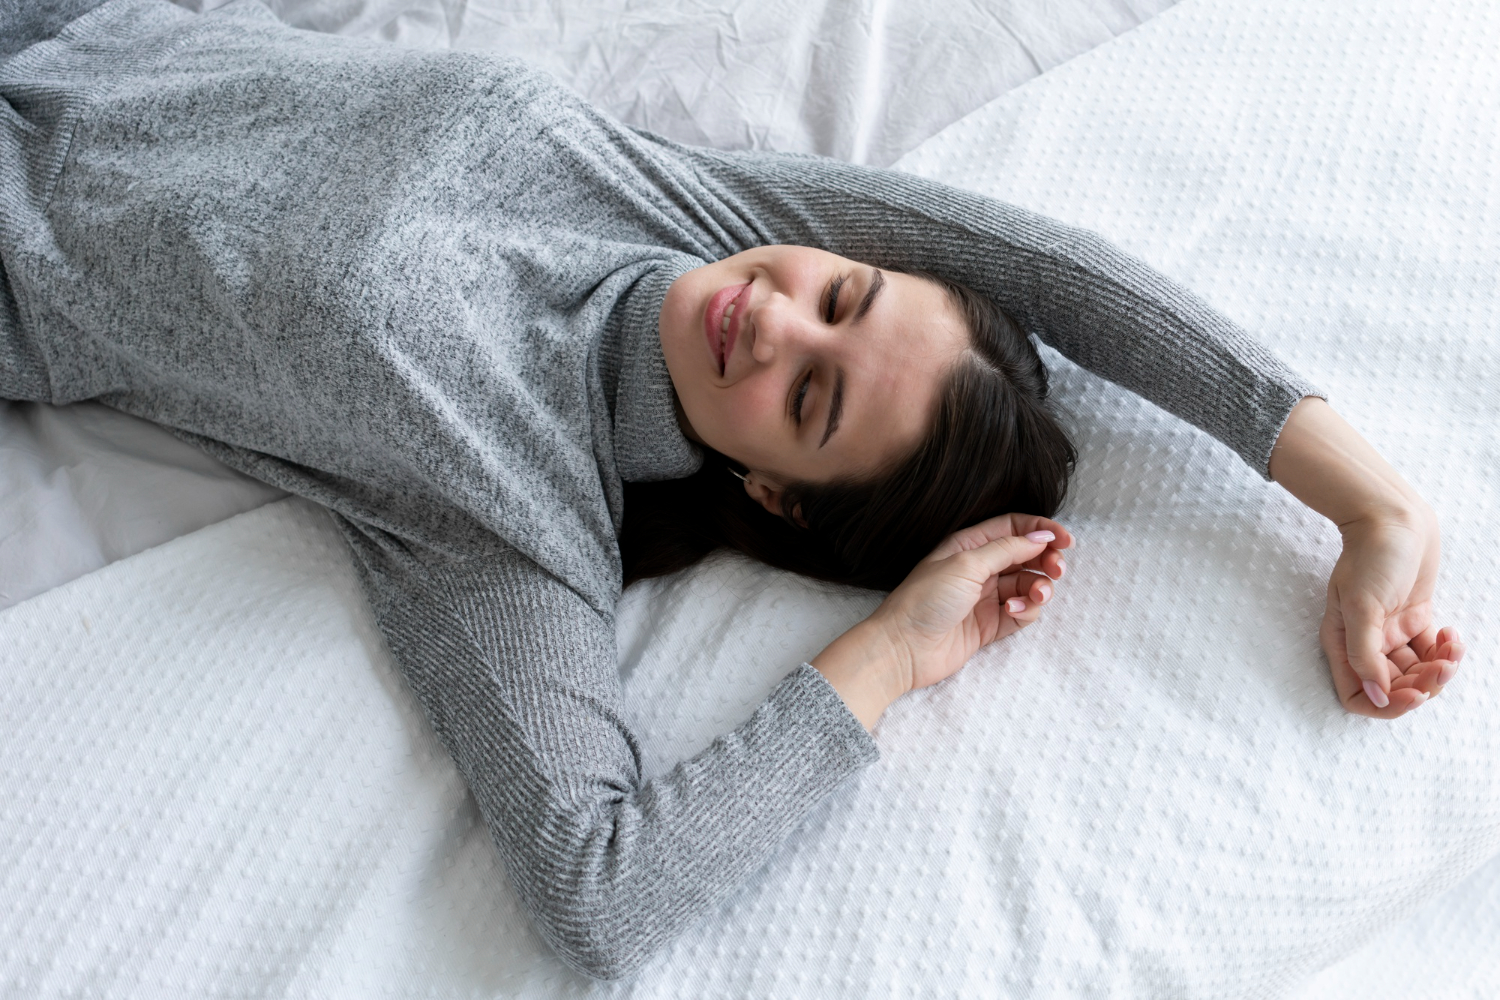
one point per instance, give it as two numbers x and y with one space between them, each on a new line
1153 793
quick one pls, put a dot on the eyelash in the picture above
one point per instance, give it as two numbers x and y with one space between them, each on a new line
801 395
833 299
830 310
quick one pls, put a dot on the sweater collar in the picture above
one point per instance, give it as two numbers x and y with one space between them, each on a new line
649 443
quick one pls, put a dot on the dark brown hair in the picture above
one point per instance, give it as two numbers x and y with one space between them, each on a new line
993 448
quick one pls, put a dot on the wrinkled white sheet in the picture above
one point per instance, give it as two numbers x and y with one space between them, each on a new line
216 783
82 486
862 79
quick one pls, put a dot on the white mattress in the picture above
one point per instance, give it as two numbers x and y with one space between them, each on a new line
215 783
861 79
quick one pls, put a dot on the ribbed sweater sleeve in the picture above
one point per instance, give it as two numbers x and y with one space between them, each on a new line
1099 306
519 678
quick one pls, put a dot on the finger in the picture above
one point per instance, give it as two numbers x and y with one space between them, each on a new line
1347 683
998 555
1452 651
1007 525
1008 585
1025 524
1444 649
1447 646
1448 672
1022 599
1398 703
1404 658
1405 700
1430 678
1426 677
1423 644
1023 612
1433 676
1049 563
1363 638
1025 585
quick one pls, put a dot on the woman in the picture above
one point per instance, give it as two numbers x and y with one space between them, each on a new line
443 298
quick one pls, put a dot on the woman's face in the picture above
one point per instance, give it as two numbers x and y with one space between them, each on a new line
806 366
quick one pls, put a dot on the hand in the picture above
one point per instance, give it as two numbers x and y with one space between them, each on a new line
979 585
1383 650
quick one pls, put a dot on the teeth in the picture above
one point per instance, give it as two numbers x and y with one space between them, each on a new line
730 310
724 325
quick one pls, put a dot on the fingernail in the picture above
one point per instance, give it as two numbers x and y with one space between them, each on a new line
1446 674
1062 568
1040 536
1015 605
1424 696
1045 590
1377 697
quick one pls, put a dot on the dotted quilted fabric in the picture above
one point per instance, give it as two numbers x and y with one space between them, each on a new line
215 783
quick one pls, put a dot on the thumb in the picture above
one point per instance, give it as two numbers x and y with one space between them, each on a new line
1000 554
1364 637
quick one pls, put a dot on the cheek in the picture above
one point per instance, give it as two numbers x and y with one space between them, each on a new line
677 314
744 417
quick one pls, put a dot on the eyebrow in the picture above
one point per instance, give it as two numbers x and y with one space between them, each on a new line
877 282
835 408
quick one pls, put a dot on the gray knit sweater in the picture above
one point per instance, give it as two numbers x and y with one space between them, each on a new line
422 290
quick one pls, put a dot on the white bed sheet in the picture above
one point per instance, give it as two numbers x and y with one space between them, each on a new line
216 783
862 79
82 486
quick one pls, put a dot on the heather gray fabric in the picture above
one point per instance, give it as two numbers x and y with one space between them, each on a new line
422 290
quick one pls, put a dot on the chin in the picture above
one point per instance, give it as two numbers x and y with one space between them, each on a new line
679 326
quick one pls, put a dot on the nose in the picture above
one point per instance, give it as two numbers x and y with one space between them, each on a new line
781 327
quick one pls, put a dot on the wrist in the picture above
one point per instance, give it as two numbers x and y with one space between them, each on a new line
1326 464
1409 512
868 668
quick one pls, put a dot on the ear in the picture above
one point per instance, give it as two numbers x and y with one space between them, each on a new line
764 492
768 494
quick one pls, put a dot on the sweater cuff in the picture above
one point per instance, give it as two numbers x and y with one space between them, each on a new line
819 728
1271 420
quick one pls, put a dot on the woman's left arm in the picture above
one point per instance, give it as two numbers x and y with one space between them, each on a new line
1099 306
1386 655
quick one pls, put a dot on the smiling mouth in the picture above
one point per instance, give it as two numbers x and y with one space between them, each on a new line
721 322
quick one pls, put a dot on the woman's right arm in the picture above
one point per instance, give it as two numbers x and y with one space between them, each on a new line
519 678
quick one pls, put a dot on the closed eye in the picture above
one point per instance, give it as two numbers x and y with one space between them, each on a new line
801 395
830 309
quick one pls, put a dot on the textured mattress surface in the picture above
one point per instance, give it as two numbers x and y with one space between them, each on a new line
216 783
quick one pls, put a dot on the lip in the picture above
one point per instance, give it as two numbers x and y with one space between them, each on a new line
720 342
